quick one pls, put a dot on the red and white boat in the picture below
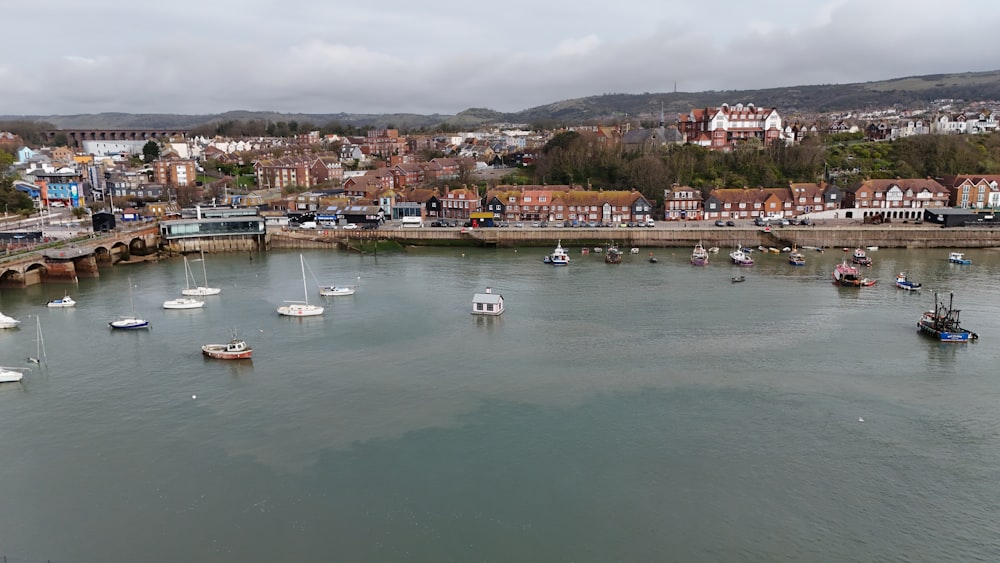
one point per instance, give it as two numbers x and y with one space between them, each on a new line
846 275
235 349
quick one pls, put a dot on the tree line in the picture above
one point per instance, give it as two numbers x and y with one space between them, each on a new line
580 158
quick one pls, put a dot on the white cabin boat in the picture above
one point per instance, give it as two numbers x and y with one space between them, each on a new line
487 303
66 301
8 322
10 375
336 290
559 257
958 258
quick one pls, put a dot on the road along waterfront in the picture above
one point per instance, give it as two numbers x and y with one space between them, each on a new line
632 412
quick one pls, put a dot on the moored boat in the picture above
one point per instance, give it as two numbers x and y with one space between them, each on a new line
902 282
301 308
10 375
699 256
943 323
130 321
738 279
846 275
235 349
740 257
959 258
860 258
612 255
183 303
336 290
796 258
8 322
65 301
559 257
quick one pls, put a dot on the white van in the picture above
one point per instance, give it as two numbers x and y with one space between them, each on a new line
412 222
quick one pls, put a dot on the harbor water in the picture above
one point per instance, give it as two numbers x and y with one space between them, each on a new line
633 412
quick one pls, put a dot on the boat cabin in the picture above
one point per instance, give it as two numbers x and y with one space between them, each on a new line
487 303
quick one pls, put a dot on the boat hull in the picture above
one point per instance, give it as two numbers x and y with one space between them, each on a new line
300 310
61 303
942 336
336 291
183 304
10 376
129 324
219 352
201 291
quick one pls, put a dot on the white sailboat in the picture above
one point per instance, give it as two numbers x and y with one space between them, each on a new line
183 303
40 357
201 289
10 375
301 308
129 322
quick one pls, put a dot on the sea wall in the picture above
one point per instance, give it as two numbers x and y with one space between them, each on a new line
679 235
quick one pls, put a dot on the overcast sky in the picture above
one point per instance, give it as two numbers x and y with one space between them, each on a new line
209 56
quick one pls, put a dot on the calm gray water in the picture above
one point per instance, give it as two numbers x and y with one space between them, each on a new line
641 412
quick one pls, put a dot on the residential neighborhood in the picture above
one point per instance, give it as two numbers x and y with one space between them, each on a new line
468 177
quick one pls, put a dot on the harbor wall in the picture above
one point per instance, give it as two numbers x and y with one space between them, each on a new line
886 236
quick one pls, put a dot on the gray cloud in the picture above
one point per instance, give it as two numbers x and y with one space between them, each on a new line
314 57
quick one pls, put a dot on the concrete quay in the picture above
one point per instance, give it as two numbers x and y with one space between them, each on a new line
830 234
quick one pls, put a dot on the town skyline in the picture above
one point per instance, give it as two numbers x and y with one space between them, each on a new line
401 58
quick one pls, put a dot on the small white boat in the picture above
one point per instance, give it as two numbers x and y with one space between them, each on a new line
634 250
713 249
740 258
958 258
8 322
903 282
10 375
301 308
183 303
201 289
336 290
559 257
66 301
129 322
487 303
871 248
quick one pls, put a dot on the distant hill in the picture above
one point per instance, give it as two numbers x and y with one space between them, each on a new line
910 91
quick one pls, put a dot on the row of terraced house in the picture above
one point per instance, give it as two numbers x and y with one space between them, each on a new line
896 198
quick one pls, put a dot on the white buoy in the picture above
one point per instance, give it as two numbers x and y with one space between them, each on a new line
860 419
194 396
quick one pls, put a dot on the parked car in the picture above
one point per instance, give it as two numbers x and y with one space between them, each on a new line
806 222
351 226
720 223
759 221
730 223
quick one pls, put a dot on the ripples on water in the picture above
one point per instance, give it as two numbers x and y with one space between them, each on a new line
633 412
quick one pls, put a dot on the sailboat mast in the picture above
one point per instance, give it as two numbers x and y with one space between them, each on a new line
204 270
305 290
